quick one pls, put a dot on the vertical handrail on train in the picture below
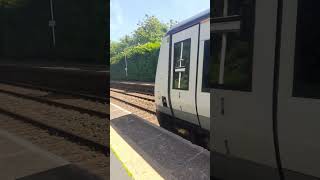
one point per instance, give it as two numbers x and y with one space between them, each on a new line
169 76
196 87
276 88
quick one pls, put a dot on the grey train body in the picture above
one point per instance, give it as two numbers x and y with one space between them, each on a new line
258 94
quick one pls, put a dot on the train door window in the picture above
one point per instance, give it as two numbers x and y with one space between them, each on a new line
207 63
233 46
216 52
181 61
306 81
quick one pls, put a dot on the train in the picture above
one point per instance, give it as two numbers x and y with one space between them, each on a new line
264 88
182 97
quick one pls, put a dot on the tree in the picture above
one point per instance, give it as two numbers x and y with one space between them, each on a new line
171 23
118 47
149 30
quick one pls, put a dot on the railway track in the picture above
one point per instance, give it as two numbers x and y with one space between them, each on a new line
134 105
58 91
65 145
58 104
59 132
141 107
133 88
137 95
134 95
47 123
46 114
133 91
53 116
134 101
138 99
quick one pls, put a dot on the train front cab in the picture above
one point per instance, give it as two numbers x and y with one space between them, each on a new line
181 97
265 89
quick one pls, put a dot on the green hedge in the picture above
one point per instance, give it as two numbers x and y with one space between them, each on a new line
142 63
80 29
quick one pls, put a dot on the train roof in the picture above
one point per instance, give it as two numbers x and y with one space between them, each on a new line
190 22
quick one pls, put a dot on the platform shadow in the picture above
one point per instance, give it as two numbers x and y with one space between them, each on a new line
168 154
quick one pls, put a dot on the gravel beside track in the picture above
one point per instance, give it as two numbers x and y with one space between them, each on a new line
144 104
134 94
84 125
64 99
87 158
43 105
59 91
134 87
127 103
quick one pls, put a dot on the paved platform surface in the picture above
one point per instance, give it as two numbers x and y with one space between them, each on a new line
19 159
118 171
150 152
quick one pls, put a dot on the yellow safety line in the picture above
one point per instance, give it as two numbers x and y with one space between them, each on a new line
124 166
132 161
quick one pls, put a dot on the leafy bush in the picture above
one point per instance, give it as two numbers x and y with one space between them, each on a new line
80 30
142 63
141 49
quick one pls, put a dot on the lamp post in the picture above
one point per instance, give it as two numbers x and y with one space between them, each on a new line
126 68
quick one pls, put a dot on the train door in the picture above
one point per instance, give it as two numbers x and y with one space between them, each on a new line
299 90
203 95
183 73
161 81
243 43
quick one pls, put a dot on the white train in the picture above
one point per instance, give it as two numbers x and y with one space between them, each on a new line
181 87
265 98
264 80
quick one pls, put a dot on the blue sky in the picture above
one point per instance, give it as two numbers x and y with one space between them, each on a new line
125 14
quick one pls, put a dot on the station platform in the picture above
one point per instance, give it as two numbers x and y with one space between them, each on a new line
74 68
149 152
45 63
21 160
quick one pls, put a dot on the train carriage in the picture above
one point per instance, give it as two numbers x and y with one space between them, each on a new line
181 93
265 105
262 72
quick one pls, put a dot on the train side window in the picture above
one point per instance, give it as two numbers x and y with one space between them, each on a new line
306 81
232 45
207 63
181 64
238 62
236 72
